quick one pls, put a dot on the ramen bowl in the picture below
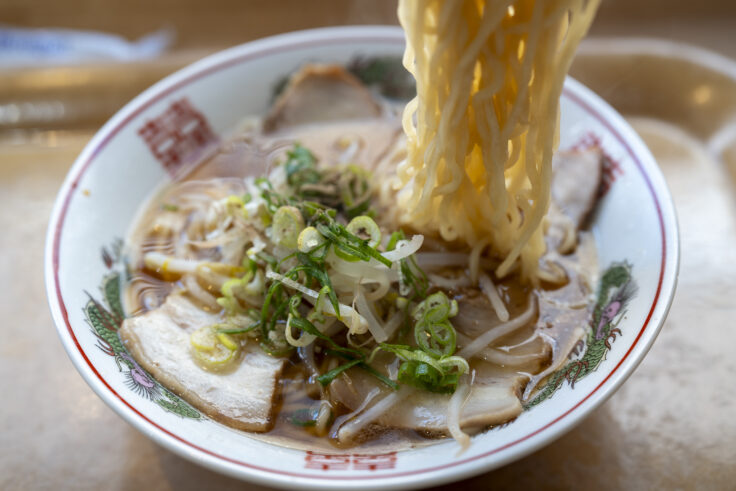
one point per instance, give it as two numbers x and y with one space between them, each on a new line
183 117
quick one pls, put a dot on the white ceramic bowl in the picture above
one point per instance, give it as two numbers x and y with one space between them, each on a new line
635 229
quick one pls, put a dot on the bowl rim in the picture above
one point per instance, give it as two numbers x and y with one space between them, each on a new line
436 474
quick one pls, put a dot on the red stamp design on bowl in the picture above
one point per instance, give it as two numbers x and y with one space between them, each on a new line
334 462
374 462
180 135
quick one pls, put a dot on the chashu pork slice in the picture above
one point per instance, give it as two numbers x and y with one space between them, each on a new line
576 179
243 398
564 315
493 400
321 93
491 403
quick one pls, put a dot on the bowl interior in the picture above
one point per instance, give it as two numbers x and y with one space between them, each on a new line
185 115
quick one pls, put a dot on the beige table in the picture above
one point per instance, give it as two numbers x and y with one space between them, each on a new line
671 425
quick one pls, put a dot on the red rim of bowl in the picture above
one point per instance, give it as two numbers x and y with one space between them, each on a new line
210 66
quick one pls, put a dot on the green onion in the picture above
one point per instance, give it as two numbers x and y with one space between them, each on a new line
306 219
309 328
434 308
287 224
426 377
438 339
395 237
421 370
363 225
274 290
267 259
240 330
328 377
309 239
349 243
365 366
316 269
247 288
277 351
433 331
212 349
354 190
300 166
412 279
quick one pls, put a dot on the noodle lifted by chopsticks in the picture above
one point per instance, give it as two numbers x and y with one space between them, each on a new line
484 124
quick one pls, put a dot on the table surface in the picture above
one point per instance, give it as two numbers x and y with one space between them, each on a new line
671 425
